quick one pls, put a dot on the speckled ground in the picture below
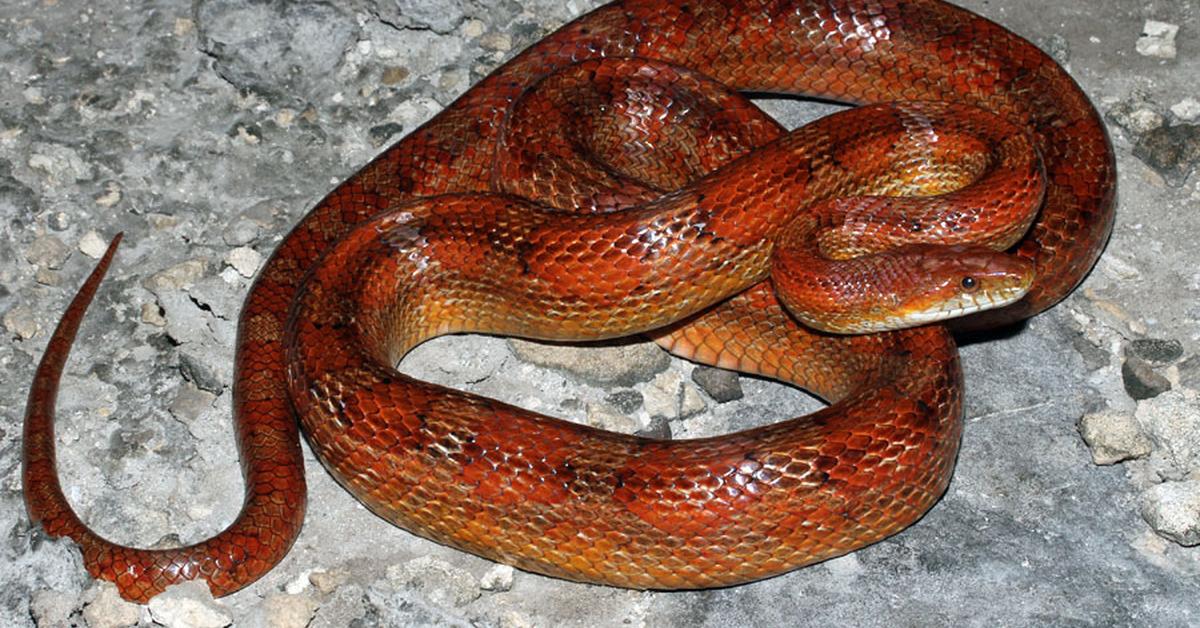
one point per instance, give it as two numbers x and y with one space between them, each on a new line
205 129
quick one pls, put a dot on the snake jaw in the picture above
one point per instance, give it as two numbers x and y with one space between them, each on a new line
967 279
1003 292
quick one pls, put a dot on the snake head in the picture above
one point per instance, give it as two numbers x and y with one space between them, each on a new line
908 286
963 279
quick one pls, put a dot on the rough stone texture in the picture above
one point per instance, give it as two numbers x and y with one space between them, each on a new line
1113 436
189 605
1157 350
1172 423
720 384
108 610
1141 380
1173 509
622 364
201 127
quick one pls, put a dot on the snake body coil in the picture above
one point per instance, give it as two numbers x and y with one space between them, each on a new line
434 237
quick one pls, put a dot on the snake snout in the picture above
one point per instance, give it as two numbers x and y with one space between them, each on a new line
968 279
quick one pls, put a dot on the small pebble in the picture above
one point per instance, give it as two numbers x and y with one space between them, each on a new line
190 403
1187 109
1158 40
52 608
92 245
1157 350
498 578
189 605
59 221
48 277
627 401
659 428
153 315
606 417
720 384
1172 423
472 28
669 396
240 231
617 365
1141 380
440 582
1113 437
244 260
47 252
20 322
110 195
288 611
500 42
1172 151
176 277
109 610
1189 372
328 581
1173 510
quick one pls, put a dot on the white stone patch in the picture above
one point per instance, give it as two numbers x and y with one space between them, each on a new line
244 260
1187 109
1158 40
92 245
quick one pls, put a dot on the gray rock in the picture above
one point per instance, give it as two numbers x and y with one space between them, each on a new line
498 578
284 611
1157 350
204 369
1189 373
109 610
191 402
276 47
1172 422
186 321
189 605
244 260
606 417
179 276
1172 151
440 16
1094 357
20 322
346 607
48 251
670 397
1141 380
1113 437
52 608
1173 510
627 401
60 164
241 231
615 365
1136 113
1158 39
438 581
214 294
720 384
659 428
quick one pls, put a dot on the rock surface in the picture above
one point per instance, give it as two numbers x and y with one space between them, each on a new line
204 129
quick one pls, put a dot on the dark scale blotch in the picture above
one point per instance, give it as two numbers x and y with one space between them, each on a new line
524 250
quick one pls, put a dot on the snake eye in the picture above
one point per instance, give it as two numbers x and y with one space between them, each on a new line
969 283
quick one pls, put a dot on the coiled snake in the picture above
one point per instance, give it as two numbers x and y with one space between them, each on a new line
434 237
